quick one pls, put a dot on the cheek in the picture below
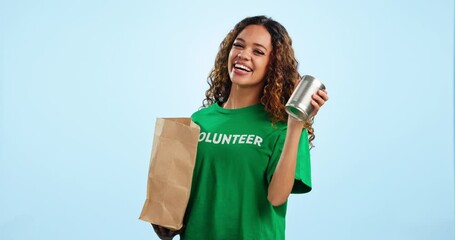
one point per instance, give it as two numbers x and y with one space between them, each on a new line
230 59
264 65
231 52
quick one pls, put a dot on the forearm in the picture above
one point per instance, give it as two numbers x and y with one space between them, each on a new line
283 178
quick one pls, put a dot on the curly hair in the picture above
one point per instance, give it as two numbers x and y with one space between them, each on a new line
280 79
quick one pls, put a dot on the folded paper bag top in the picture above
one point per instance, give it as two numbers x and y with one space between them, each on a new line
170 172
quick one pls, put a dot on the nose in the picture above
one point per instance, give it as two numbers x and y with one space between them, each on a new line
243 55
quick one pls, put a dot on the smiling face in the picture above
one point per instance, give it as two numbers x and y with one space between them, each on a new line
249 56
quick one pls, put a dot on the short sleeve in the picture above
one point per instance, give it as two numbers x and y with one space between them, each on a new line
302 183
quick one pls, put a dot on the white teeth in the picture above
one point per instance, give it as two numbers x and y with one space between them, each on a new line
242 67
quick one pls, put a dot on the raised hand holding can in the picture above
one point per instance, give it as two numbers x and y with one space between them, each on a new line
299 104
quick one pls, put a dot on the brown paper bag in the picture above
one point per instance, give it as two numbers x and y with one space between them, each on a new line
170 172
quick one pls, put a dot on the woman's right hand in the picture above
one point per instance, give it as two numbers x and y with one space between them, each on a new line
165 233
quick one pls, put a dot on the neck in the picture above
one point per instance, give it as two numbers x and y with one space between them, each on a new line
242 97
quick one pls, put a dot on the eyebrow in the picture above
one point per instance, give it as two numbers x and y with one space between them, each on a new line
257 44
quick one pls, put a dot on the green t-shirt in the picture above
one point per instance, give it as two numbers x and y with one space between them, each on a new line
237 154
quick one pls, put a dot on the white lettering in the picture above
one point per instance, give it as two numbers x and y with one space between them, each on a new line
202 136
249 140
242 139
217 140
235 138
258 141
226 139
207 139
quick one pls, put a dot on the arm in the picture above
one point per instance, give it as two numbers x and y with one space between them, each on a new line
283 178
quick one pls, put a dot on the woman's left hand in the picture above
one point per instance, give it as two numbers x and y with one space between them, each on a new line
319 99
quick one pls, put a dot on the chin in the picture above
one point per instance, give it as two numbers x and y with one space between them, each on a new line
246 83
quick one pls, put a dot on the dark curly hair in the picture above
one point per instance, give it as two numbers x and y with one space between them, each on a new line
280 79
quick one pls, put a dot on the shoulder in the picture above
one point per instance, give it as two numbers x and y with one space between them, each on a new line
202 112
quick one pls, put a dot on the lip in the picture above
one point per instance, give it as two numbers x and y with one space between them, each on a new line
240 72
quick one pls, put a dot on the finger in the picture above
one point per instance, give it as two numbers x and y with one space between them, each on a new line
318 99
316 108
323 94
315 105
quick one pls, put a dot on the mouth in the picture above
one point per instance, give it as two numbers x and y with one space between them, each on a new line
242 67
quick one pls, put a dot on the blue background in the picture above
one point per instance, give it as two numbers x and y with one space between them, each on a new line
83 81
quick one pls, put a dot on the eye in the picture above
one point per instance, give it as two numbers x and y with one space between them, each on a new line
237 45
259 52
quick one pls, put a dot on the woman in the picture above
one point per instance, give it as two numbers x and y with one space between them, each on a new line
251 154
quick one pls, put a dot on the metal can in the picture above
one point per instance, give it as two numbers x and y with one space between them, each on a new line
299 104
